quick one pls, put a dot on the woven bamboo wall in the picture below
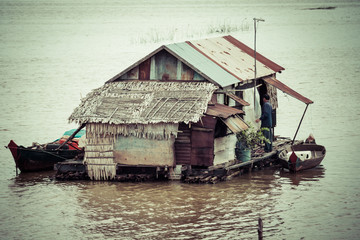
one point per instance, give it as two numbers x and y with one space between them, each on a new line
99 157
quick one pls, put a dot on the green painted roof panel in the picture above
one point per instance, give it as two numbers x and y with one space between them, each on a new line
202 64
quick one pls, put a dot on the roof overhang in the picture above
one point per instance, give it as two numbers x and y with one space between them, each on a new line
229 116
223 111
236 124
279 85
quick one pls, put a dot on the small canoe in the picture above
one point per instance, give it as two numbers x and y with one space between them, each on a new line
302 156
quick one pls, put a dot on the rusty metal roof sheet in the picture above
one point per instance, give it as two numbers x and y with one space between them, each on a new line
203 65
223 60
267 62
235 57
236 124
276 83
223 111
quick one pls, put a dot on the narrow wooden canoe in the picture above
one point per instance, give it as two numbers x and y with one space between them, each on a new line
302 156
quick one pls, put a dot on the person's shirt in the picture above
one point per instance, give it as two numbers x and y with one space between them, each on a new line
266 118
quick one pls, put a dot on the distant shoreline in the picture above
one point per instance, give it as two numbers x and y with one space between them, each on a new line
320 8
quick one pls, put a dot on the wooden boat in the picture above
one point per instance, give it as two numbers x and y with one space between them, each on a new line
43 157
302 156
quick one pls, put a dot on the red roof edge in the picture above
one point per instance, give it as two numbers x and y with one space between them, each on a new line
276 83
275 67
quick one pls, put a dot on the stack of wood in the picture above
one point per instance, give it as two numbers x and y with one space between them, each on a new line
71 170
71 176
212 176
134 177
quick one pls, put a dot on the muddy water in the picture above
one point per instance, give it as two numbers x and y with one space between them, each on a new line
53 53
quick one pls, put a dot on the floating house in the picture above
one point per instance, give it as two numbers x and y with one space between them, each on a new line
181 105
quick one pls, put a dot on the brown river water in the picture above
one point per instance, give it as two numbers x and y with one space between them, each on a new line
55 52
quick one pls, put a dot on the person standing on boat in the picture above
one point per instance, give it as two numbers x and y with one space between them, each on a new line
266 122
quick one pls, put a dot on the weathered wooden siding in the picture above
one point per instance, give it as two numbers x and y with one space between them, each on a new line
162 66
144 70
202 142
195 145
183 145
202 151
142 151
166 66
187 73
133 74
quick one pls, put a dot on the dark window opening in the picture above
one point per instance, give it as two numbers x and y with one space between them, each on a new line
226 100
220 129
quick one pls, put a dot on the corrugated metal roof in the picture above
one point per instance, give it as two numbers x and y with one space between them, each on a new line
276 83
235 124
223 60
220 110
267 62
204 66
237 60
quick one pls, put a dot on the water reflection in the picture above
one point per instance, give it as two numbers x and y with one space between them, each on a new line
175 210
31 178
310 175
34 176
171 210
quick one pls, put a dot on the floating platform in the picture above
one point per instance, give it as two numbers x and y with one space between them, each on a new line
76 170
226 171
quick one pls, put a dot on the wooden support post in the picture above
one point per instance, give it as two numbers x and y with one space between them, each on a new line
260 229
299 124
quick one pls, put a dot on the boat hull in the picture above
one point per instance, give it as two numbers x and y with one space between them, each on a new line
307 156
31 160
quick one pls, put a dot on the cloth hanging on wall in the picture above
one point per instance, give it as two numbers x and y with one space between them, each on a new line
251 112
271 91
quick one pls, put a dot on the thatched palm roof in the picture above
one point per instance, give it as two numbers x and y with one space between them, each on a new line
144 102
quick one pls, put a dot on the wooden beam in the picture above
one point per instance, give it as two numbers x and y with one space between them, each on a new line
72 136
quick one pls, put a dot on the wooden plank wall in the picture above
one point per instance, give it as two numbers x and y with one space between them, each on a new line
162 66
183 145
202 142
195 145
